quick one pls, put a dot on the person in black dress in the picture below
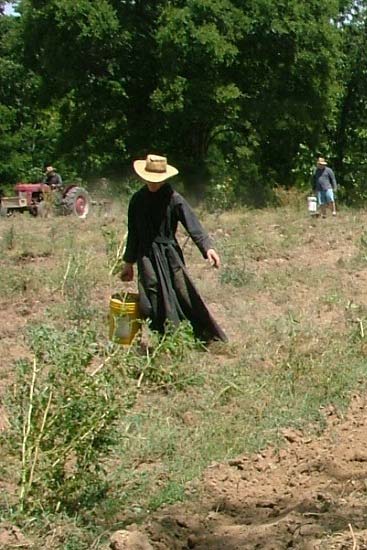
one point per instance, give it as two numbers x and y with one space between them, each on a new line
166 291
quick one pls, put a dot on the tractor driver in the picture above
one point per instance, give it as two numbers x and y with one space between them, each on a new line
52 178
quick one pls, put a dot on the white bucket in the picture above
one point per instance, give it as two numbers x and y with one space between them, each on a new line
312 205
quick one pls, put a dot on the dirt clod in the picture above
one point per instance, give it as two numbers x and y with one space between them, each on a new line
129 540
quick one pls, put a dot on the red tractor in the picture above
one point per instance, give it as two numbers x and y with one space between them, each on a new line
37 198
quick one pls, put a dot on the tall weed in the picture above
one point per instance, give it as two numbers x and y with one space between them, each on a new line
166 355
114 248
9 238
62 421
76 286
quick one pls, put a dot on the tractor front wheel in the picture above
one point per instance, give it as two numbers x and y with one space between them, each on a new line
77 201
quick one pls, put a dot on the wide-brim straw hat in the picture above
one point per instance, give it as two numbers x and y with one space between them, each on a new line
321 161
154 169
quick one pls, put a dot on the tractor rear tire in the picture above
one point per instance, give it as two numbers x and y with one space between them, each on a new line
77 201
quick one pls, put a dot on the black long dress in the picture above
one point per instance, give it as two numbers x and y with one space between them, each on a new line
165 288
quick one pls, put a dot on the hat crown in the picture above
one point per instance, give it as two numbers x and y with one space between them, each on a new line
155 163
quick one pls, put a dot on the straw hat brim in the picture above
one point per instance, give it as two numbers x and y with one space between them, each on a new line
153 177
321 161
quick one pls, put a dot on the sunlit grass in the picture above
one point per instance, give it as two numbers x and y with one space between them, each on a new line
290 298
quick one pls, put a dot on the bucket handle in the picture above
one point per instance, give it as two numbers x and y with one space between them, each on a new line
123 295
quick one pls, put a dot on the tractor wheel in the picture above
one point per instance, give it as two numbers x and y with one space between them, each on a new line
77 201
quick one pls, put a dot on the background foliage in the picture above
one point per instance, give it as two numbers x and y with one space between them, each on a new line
246 90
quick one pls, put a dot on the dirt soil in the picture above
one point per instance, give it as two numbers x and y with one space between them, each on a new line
312 494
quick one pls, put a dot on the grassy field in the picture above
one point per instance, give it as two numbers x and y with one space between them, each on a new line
94 438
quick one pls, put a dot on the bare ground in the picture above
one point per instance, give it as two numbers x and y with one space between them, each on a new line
309 495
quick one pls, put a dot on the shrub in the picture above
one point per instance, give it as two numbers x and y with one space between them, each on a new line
62 420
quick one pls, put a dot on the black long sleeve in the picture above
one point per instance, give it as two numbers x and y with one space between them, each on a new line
192 225
131 251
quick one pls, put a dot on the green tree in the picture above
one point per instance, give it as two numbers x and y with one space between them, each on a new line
350 138
26 131
197 97
288 69
140 68
244 88
77 49
246 83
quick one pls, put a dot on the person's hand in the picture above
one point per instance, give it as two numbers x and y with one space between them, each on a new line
127 272
213 258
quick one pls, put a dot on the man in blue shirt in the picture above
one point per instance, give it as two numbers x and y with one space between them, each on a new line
324 185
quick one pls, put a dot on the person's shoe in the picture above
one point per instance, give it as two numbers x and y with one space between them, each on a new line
334 213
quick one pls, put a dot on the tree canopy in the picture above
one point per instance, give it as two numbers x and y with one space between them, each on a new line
253 90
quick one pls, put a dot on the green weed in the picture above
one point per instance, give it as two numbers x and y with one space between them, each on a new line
76 287
171 493
114 248
236 276
166 355
9 238
62 421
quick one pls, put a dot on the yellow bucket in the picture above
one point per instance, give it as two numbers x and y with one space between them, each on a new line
123 318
